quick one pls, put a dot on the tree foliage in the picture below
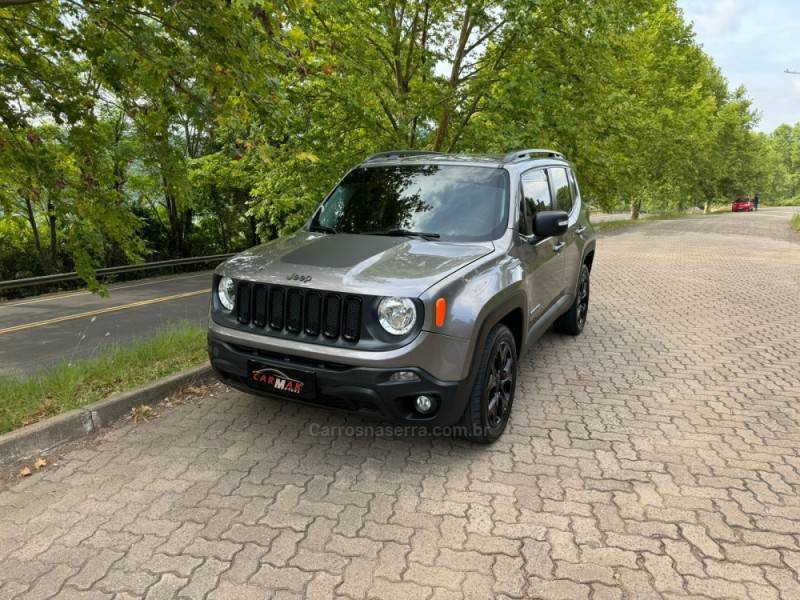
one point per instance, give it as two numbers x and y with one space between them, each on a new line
145 129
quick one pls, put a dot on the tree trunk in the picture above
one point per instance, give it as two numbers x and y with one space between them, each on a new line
224 238
254 239
443 130
186 228
176 220
706 207
51 222
636 206
35 230
175 224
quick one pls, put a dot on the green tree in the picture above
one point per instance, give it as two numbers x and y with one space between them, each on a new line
150 128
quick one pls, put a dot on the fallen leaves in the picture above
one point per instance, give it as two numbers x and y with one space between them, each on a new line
39 464
142 413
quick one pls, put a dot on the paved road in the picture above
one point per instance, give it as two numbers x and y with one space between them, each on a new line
654 456
39 332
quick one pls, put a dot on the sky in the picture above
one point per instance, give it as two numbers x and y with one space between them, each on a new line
753 42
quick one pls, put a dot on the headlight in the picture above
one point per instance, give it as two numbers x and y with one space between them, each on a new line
397 315
226 292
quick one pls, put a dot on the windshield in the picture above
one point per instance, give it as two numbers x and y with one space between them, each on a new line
456 203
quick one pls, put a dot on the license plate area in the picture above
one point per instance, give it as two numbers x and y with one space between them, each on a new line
291 383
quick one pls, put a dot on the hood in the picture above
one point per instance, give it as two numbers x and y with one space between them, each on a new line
360 264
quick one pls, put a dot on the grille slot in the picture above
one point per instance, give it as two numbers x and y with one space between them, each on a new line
294 311
298 311
352 318
313 313
333 309
276 296
243 302
259 305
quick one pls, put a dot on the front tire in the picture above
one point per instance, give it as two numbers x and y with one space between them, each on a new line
573 321
492 395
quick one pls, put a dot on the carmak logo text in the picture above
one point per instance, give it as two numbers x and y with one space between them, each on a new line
278 381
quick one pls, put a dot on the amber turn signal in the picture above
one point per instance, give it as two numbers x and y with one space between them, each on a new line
441 311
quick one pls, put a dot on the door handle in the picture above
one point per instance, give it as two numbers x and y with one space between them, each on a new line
559 246
580 230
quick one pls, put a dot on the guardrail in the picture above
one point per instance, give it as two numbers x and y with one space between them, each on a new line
62 277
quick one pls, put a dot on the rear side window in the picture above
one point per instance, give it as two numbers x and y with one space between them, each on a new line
535 195
573 183
561 190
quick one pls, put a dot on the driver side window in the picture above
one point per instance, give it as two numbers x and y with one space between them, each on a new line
535 197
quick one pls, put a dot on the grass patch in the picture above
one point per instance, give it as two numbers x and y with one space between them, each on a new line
783 202
795 222
616 224
609 226
25 400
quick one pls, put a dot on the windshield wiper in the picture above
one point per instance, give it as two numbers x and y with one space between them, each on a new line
405 233
322 229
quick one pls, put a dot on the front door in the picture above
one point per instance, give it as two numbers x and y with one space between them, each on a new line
542 263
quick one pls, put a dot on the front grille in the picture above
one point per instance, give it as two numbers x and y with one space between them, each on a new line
297 310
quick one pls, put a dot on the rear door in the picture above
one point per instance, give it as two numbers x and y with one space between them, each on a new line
564 190
544 265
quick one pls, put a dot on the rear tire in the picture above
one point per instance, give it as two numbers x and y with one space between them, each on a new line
492 395
573 321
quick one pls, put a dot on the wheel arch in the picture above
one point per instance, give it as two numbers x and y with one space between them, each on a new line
588 258
588 253
511 313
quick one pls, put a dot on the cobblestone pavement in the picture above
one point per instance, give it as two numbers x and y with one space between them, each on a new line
654 456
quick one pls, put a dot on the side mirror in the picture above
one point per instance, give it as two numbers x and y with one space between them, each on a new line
550 223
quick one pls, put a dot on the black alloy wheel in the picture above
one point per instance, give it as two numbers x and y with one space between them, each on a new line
500 386
489 405
583 298
573 321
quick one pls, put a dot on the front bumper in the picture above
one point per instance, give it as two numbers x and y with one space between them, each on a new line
360 389
446 358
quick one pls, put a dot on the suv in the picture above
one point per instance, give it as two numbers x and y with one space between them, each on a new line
412 290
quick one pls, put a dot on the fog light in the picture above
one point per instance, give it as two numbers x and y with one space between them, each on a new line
403 376
424 404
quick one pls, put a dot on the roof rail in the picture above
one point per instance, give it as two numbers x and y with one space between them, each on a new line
530 153
401 154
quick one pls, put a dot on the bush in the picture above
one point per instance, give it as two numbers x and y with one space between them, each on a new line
17 255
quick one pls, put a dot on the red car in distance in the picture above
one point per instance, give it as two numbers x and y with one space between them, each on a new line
742 204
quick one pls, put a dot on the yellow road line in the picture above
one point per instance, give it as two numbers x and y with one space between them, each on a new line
84 292
101 311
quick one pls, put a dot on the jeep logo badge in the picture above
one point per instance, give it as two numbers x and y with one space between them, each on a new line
300 278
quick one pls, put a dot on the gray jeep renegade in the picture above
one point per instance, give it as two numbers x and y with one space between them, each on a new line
412 290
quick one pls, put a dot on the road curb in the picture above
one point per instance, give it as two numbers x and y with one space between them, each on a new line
40 437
